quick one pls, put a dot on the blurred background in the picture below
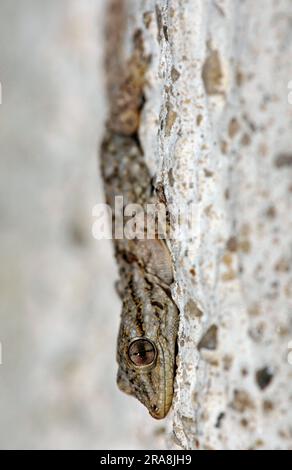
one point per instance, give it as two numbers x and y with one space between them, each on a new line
59 311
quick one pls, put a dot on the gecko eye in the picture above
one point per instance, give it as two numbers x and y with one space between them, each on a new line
142 352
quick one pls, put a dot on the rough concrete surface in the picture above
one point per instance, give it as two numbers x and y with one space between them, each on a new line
216 132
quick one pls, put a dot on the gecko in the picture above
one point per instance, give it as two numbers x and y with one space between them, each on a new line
146 346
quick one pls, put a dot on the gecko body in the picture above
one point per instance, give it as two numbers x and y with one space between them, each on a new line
146 346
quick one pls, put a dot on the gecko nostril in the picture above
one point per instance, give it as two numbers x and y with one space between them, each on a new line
142 352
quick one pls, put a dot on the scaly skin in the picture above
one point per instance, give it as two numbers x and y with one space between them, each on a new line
149 321
145 278
148 312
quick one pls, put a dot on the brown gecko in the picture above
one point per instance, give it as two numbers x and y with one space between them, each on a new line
146 347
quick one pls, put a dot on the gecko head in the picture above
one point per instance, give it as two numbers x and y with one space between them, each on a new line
147 373
146 352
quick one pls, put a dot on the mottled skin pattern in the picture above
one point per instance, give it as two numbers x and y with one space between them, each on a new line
145 265
149 312
145 278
